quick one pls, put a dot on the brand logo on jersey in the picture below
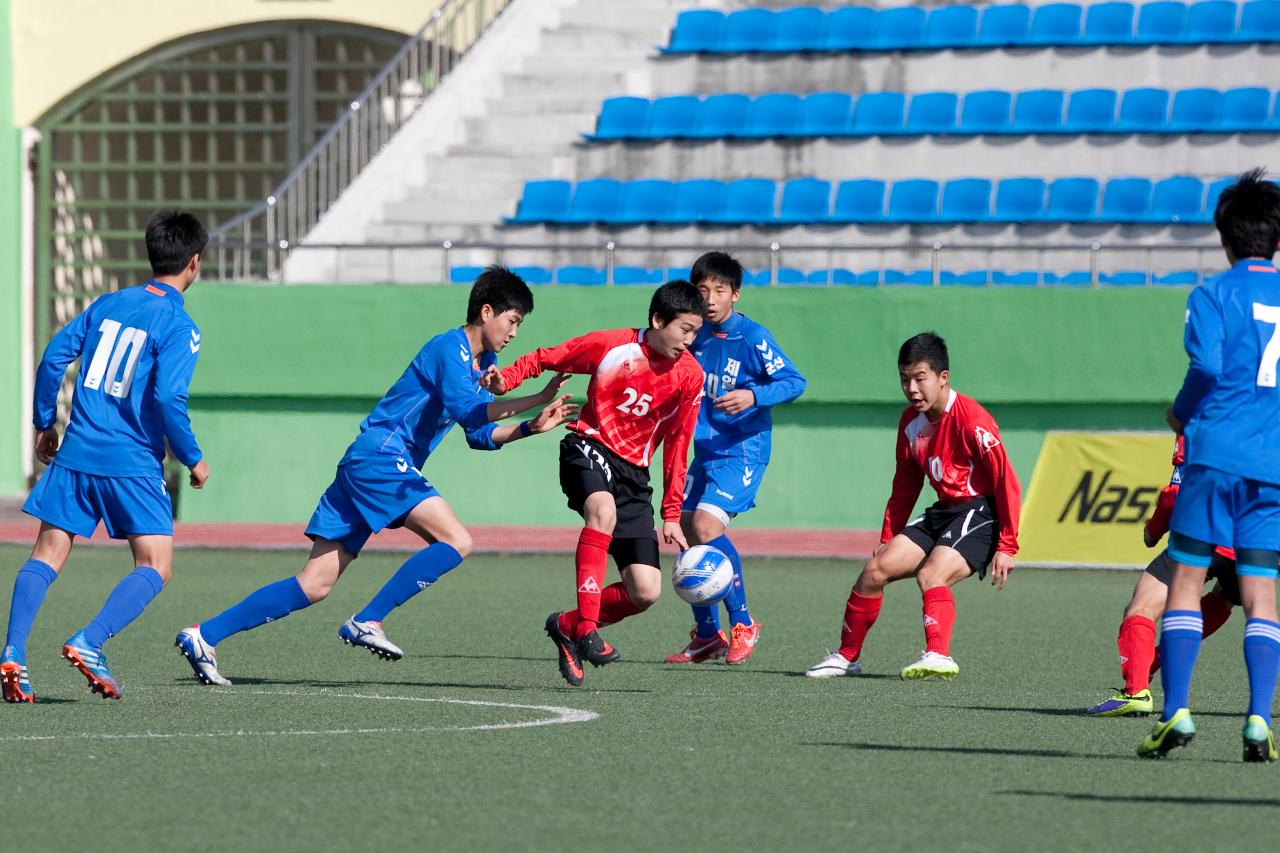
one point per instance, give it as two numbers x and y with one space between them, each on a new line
722 493
402 465
1108 502
590 587
194 343
747 476
947 535
772 361
462 351
986 439
1176 479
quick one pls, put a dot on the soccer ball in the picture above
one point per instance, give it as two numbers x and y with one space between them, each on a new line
702 575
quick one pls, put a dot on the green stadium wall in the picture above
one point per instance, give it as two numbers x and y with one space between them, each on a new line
13 409
287 372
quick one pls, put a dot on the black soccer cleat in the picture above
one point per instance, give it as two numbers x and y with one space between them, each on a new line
566 652
594 648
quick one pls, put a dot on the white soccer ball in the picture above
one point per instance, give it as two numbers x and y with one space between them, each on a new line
702 575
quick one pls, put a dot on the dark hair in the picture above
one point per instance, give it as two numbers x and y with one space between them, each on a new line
500 289
174 237
1248 216
675 298
928 347
720 266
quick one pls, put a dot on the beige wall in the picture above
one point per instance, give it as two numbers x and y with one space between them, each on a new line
61 45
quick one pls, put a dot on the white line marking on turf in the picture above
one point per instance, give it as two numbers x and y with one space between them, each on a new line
562 716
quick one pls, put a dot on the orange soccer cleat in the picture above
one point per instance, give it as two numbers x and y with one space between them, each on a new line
701 649
743 642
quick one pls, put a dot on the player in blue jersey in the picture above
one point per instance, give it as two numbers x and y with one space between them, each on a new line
746 375
1229 411
379 483
137 350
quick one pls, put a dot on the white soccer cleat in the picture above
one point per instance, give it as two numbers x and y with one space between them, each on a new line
931 665
369 635
833 666
201 656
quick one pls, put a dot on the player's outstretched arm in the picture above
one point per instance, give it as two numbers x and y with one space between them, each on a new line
554 414
65 348
989 452
500 410
576 355
176 364
675 461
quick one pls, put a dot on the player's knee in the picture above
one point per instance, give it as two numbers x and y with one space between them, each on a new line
165 571
602 518
315 589
706 527
460 541
872 576
645 596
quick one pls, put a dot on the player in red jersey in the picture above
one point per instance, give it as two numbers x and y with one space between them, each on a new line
645 390
1136 642
952 440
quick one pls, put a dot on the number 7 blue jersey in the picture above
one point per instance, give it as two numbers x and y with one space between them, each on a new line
1229 400
137 350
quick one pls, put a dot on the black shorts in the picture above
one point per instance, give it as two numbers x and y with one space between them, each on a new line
970 528
587 467
1221 570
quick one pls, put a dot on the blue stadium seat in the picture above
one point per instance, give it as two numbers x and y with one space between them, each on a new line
1176 278
646 201
859 200
1125 200
986 111
826 114
1038 111
1260 21
878 113
818 277
678 273
697 30
1072 200
1211 22
596 200
1125 278
1195 110
1055 23
722 116
1211 196
698 200
1245 109
755 278
774 115
1019 200
851 28
749 200
973 278
544 201
892 276
1091 111
623 118
1021 278
932 112
1004 25
1179 199
791 275
1162 22
844 277
637 275
869 277
464 275
673 117
1143 111
580 276
748 31
1108 23
913 200
920 278
796 29
900 28
805 200
966 200
533 275
951 26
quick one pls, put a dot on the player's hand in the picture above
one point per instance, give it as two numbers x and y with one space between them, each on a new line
1172 420
735 402
1149 540
46 444
1001 566
549 393
673 535
491 381
199 474
559 411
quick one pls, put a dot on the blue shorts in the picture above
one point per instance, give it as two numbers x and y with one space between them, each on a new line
371 491
723 487
75 502
1216 508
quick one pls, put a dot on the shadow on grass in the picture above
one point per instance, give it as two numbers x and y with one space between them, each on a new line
40 700
1011 752
1065 712
365 683
789 673
1147 799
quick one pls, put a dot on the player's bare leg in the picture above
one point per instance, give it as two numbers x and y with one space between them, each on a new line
700 527
942 569
52 547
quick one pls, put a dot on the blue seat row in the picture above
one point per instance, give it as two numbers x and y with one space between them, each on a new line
808 28
630 275
755 201
989 111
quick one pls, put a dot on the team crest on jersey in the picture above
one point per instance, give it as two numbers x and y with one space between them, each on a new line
986 439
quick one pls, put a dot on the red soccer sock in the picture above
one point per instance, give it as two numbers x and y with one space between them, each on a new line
592 559
616 604
568 623
1136 643
860 613
939 619
1215 610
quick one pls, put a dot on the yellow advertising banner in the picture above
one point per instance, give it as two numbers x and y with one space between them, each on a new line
1090 496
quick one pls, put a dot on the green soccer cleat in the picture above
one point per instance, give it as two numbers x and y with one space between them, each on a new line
931 665
1166 737
1259 745
1124 705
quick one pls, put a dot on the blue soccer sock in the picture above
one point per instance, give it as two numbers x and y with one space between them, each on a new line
1180 632
418 572
1262 660
274 601
29 589
125 603
735 600
706 620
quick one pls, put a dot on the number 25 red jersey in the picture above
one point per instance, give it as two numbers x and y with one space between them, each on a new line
636 400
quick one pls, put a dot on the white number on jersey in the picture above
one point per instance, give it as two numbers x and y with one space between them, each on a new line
1270 315
713 386
935 469
636 403
115 346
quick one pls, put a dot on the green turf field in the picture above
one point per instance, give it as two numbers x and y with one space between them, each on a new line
320 746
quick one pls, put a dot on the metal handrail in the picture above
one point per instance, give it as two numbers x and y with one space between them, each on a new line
258 238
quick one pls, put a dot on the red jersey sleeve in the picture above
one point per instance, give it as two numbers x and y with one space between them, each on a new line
675 445
576 355
908 480
1158 524
988 453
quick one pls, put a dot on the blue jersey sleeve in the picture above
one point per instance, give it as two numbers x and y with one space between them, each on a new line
175 365
784 382
449 370
1203 341
65 348
482 438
